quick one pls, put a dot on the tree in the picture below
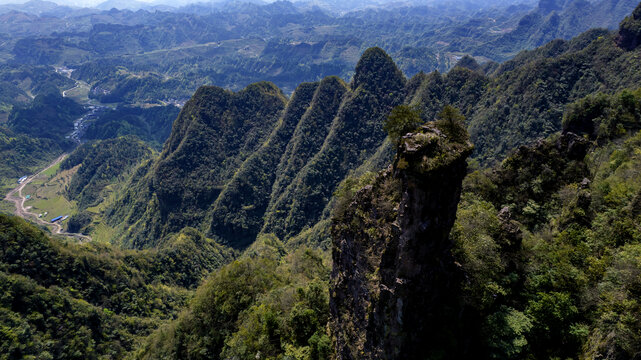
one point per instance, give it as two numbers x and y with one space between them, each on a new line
402 120
452 123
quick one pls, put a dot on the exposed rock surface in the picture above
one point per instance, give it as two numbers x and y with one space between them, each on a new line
394 281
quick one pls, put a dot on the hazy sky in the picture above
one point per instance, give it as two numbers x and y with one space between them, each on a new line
96 2
177 3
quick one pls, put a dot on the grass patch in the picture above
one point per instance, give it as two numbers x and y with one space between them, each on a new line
80 93
51 171
102 232
47 193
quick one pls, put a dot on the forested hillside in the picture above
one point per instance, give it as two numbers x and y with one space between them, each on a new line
486 210
548 238
100 164
153 125
544 242
284 182
354 136
66 301
214 150
542 250
49 116
215 132
21 153
237 213
32 130
270 302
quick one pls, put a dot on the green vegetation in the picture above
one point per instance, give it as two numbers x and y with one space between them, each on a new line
630 32
543 87
460 88
156 56
78 222
101 163
551 271
452 123
269 303
237 217
11 95
525 98
47 191
48 116
20 83
31 80
401 120
546 240
242 176
604 117
152 125
216 131
307 140
72 301
356 133
21 154
518 102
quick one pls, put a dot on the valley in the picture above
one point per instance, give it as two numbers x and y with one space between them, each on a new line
18 199
296 181
39 197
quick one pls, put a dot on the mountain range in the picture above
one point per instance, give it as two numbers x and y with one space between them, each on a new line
485 209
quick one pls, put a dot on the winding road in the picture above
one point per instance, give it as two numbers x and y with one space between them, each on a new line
15 196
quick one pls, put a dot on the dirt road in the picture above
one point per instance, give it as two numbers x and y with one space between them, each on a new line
15 196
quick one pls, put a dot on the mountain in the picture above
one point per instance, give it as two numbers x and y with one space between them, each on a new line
99 164
354 136
524 98
275 188
218 168
37 7
149 56
239 311
542 86
629 34
540 262
308 138
490 211
559 20
11 95
549 198
515 276
215 132
21 154
238 210
122 5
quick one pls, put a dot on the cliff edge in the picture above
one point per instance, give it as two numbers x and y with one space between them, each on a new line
394 283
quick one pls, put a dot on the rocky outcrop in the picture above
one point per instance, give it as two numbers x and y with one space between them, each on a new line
394 281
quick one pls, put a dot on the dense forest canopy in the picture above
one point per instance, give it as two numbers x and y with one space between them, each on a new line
280 181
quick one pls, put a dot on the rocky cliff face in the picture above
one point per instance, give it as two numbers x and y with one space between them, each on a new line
394 281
